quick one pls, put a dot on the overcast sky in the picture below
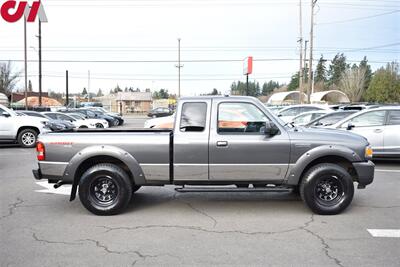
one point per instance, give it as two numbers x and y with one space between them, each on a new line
211 30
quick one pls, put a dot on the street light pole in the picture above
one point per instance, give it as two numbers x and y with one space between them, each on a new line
26 65
179 66
310 71
40 63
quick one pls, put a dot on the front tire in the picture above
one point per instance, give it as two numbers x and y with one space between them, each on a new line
327 189
27 138
105 189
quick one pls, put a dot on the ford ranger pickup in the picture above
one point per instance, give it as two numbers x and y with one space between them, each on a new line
220 143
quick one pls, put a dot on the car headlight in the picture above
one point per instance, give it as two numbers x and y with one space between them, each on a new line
368 152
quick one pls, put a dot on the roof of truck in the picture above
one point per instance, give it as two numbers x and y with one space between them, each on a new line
206 97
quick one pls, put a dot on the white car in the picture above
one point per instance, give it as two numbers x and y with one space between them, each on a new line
79 123
306 117
160 123
287 114
97 122
381 126
21 129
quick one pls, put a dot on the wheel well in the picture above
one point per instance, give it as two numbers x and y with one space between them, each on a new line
28 127
341 161
98 160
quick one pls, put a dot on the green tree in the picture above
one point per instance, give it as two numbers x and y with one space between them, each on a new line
320 71
30 89
117 89
385 85
8 79
215 92
268 87
99 93
84 92
294 82
368 72
240 88
336 69
162 94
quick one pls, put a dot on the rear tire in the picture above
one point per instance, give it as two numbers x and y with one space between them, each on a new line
27 138
105 189
327 189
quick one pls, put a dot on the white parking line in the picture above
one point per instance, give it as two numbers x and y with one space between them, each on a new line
384 170
384 232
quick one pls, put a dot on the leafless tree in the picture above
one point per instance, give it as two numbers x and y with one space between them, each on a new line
352 83
8 78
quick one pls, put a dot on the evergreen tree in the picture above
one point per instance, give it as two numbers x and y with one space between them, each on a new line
294 82
84 92
336 69
368 72
99 93
385 85
117 89
320 72
30 89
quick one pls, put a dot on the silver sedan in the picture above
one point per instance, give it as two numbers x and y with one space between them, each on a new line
381 126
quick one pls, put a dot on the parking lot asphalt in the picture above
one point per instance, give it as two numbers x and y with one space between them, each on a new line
163 227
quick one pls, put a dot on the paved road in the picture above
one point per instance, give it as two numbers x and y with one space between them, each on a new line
162 227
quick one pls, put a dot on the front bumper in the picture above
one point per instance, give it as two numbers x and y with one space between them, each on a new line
365 172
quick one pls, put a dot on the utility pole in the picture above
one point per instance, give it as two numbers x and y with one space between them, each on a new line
310 70
66 89
88 90
301 53
40 63
26 65
179 66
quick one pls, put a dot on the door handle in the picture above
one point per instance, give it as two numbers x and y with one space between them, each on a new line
378 130
222 143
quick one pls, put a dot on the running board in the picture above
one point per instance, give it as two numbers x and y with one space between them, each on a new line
232 189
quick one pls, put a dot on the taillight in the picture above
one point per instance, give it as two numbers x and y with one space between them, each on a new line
41 153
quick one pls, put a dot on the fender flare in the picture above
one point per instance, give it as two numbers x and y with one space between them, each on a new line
301 164
102 150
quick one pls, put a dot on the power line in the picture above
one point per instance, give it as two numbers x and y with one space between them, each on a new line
359 18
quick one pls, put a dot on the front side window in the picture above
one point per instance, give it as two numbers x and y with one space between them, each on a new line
244 118
394 117
374 118
52 115
290 112
193 118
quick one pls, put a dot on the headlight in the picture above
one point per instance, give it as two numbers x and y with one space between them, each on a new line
368 152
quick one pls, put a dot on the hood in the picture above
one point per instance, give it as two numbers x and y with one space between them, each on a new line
326 135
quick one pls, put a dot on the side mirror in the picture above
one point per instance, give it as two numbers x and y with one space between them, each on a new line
270 129
5 114
350 126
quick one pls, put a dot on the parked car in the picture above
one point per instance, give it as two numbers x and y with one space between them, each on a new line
160 123
209 146
54 125
330 118
381 126
287 114
306 117
160 112
79 123
101 114
98 122
112 114
21 129
92 115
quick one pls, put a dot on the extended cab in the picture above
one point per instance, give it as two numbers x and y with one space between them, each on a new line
20 128
216 141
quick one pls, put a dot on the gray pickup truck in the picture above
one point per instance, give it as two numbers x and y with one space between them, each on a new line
218 143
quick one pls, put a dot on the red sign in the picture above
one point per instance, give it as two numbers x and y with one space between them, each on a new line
11 11
248 66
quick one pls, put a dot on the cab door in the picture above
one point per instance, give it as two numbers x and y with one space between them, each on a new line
191 140
391 137
238 148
